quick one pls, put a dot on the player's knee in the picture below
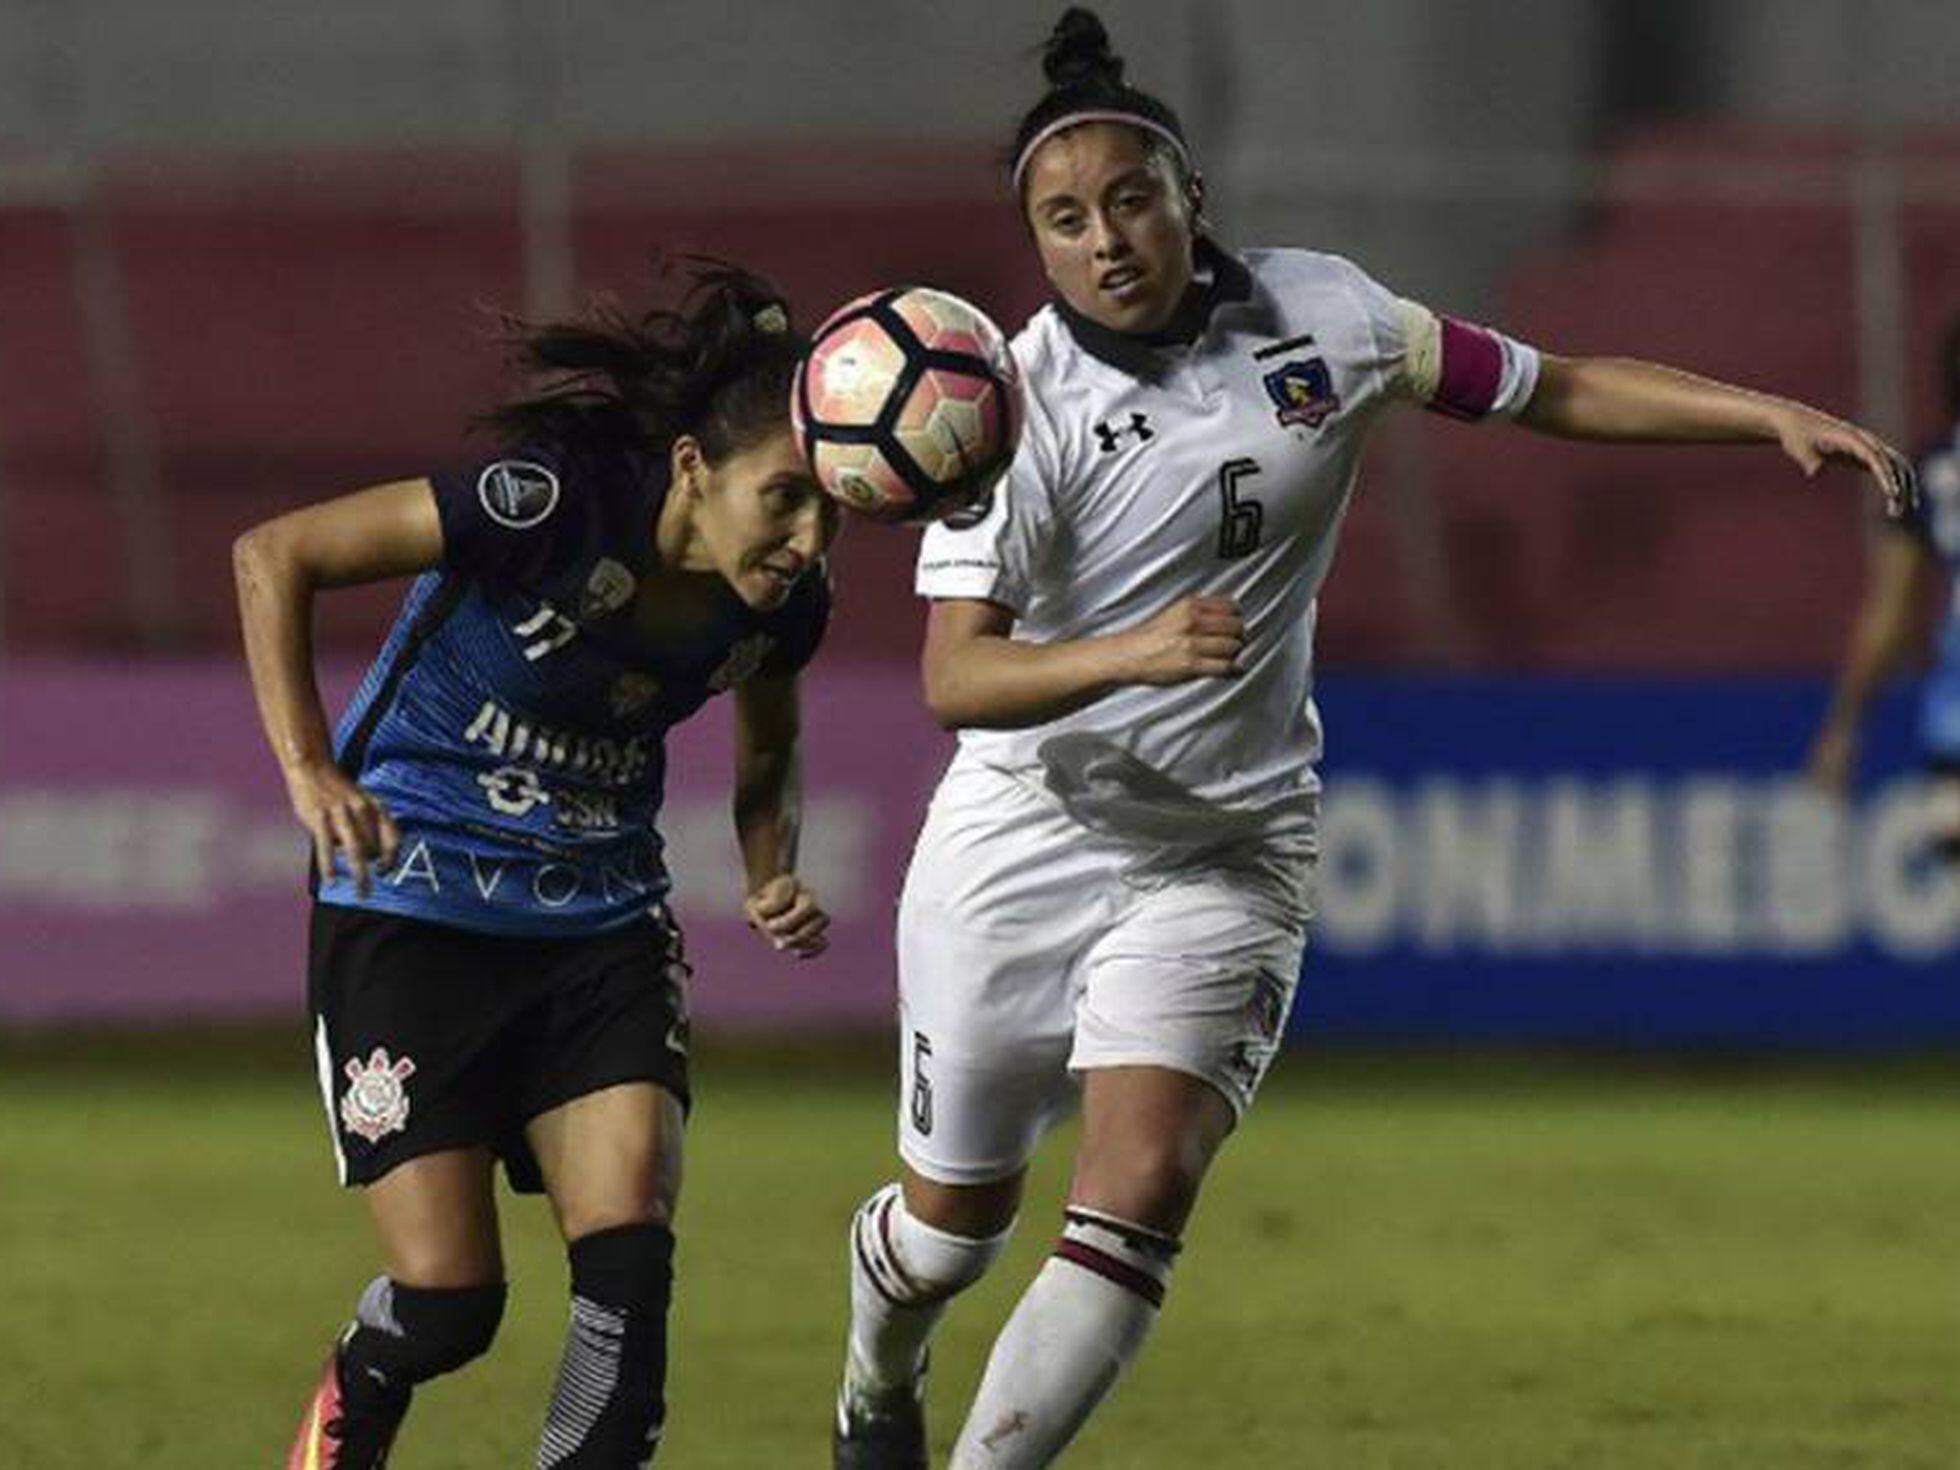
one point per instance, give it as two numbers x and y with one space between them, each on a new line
586 1220
913 1262
1154 1181
424 1332
625 1267
977 1211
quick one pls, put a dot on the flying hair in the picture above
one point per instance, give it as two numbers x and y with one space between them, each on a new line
716 364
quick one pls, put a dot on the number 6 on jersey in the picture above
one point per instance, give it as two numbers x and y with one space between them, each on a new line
1244 517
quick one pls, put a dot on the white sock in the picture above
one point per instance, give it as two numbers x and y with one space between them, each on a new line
1076 1328
903 1273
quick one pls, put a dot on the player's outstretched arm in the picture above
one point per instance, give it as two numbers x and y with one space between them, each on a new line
977 677
1620 398
1902 574
278 565
769 815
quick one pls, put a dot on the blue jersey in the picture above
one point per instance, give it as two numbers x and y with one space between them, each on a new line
514 722
1937 523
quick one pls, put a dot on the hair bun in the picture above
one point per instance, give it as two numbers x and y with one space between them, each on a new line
1078 51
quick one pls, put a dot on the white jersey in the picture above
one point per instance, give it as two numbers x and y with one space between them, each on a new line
1150 474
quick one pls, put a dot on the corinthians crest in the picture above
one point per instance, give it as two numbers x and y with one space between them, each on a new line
375 1103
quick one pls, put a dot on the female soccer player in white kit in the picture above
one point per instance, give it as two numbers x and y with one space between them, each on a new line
1110 895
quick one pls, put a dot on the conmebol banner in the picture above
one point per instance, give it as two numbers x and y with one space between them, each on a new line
1623 861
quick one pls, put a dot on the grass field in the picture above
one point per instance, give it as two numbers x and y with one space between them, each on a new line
1402 1262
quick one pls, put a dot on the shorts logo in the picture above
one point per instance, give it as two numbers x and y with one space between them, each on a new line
517 493
1271 997
607 590
375 1103
1303 392
677 1037
921 1085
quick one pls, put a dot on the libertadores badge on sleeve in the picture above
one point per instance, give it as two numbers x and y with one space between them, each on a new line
517 493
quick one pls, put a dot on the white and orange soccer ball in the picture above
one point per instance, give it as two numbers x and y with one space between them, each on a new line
908 406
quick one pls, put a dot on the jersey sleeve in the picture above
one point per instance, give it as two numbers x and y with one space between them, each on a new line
1462 369
993 558
1444 364
1939 483
512 520
1914 522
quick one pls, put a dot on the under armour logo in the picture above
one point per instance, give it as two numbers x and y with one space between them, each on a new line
1110 436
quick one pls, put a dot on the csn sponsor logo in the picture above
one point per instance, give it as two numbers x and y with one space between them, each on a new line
516 791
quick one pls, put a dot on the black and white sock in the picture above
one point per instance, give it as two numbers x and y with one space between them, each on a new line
610 1405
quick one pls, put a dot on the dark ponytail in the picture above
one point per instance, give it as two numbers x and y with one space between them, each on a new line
1085 79
717 364
1077 53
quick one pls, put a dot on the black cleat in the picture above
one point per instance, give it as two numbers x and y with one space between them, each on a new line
880 1431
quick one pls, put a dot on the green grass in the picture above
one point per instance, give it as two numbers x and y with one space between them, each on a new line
1406 1262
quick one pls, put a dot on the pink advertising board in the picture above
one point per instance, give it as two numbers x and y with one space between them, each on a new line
150 869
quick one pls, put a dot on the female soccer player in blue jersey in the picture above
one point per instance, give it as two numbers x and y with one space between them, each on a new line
1920 548
1109 898
493 972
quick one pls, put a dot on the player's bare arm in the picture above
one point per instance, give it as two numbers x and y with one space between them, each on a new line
388 531
1904 571
977 677
769 814
1618 398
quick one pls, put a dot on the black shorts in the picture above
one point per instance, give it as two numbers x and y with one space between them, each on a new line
430 1037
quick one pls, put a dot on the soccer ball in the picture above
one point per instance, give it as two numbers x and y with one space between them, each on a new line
908 406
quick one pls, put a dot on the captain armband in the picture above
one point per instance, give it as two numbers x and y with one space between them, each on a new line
1464 370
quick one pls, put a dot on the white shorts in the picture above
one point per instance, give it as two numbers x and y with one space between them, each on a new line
1031 948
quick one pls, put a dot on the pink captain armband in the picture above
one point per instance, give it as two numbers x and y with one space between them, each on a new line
1480 372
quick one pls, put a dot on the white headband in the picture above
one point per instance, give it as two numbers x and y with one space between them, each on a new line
1076 119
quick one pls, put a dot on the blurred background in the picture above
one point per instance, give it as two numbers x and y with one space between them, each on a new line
1620 1125
250 256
